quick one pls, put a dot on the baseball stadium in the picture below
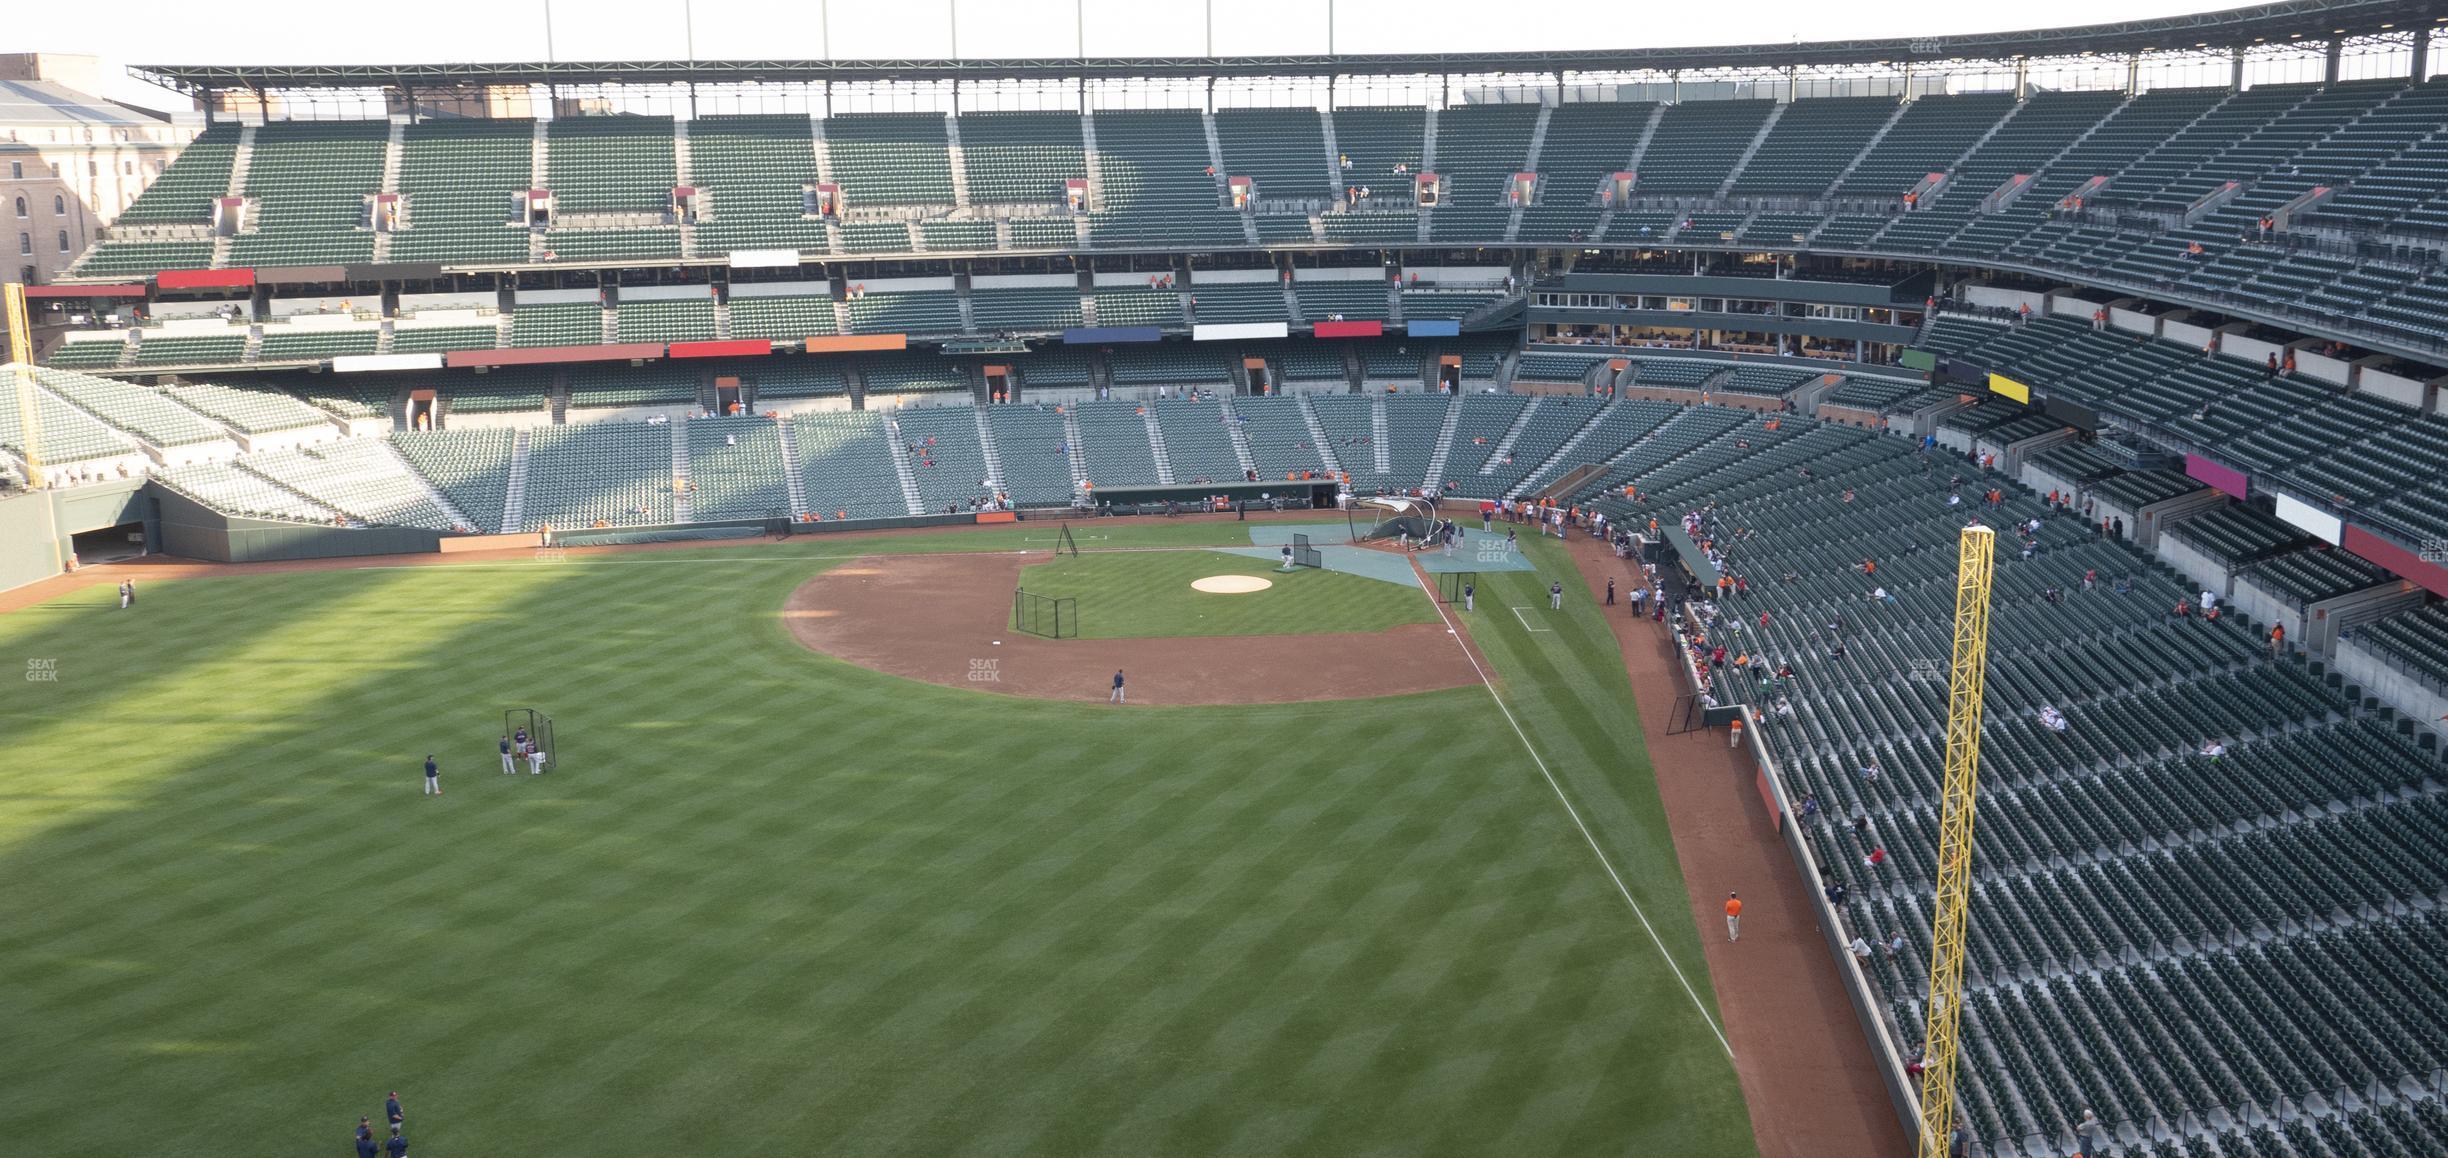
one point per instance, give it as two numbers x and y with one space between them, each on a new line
1776 595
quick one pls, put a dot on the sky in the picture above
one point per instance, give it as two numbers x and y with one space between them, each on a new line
184 32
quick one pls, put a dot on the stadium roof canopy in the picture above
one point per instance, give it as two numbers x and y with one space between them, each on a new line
2291 21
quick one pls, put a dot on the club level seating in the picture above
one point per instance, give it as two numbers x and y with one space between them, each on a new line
597 385
1353 300
253 411
615 473
1440 304
190 349
1282 150
1311 362
226 487
69 435
149 415
1053 367
1135 306
184 193
780 379
890 158
359 477
783 318
905 312
686 320
294 345
1223 302
912 372
458 178
1034 309
1539 366
1167 366
945 457
755 171
2156 933
1021 158
441 339
470 467
845 464
558 324
1278 436
1197 443
503 390
1386 362
609 164
1034 448
735 469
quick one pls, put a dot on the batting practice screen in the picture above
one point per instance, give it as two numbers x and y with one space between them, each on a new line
1451 583
539 729
1053 617
1304 555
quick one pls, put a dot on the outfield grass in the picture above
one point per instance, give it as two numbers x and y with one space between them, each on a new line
1123 595
777 904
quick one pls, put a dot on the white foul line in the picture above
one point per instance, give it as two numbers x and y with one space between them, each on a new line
1575 813
1525 620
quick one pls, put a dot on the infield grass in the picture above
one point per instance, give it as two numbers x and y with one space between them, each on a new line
1133 594
774 904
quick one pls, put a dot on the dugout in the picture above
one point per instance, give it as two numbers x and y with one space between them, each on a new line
1194 497
1690 561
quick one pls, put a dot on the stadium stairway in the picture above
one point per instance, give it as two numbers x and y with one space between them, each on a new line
433 494
682 510
1318 437
795 482
1239 436
514 501
1078 445
1380 439
901 466
1156 444
1437 458
993 453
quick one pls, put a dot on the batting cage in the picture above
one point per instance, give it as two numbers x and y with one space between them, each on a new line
1304 555
1049 616
538 728
1389 517
1451 583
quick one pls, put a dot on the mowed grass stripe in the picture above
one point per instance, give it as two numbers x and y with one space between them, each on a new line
776 901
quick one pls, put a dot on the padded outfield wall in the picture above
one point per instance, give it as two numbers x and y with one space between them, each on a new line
37 528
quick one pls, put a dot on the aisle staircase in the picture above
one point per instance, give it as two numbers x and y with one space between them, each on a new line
433 494
1512 434
1156 443
514 499
1444 446
1078 456
901 468
682 509
1562 452
1239 439
1317 435
1379 440
993 452
791 477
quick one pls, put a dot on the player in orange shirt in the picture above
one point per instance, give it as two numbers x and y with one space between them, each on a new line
1733 916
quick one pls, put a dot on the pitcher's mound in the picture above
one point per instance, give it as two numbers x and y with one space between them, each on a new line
1231 584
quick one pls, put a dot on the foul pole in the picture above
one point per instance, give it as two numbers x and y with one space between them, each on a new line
21 363
1975 566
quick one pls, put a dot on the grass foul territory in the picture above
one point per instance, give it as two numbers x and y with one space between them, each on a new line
774 904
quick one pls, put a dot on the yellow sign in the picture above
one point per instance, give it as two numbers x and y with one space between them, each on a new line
2001 384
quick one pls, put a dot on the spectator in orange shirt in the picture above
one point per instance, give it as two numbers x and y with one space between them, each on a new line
1733 916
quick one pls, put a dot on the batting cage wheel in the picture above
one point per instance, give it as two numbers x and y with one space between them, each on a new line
539 729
